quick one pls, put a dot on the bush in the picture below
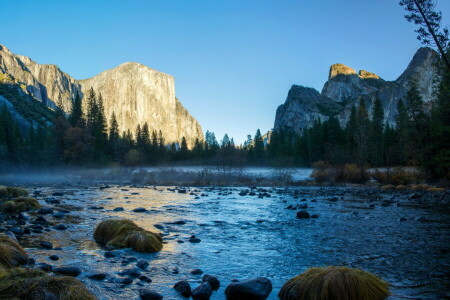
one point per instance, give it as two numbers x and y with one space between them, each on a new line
19 205
27 284
348 173
11 253
12 192
334 283
122 233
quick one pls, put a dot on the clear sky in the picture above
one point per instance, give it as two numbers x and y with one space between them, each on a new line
233 60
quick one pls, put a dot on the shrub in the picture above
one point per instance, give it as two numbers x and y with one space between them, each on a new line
27 284
321 172
334 283
348 173
12 192
11 253
19 205
122 233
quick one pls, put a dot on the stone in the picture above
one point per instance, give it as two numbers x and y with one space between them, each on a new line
54 257
150 295
67 271
253 289
97 276
196 272
202 292
142 264
45 211
140 210
60 227
303 214
46 245
183 287
213 281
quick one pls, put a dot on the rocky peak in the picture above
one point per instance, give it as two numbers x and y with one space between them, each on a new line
340 69
366 74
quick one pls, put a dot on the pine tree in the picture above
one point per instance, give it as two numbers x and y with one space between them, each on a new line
114 137
376 134
76 114
258 146
362 137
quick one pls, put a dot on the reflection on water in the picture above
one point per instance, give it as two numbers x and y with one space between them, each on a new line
246 236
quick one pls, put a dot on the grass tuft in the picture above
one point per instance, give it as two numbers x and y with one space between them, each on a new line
11 253
27 284
334 283
19 205
12 192
123 233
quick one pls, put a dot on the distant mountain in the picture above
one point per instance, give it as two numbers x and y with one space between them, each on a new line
345 87
135 92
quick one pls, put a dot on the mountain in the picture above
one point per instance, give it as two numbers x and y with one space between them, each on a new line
345 87
135 92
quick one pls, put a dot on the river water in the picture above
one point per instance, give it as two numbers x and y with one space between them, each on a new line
246 236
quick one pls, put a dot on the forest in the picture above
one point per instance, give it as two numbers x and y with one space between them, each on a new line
419 138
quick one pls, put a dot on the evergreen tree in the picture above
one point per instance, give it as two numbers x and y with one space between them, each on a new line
114 137
376 134
76 114
258 146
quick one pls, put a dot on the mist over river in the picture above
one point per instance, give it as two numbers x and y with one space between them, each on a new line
403 239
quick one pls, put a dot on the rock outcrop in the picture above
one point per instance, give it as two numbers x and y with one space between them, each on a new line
345 87
135 92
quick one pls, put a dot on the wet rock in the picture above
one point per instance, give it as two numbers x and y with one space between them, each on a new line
149 295
196 272
40 220
144 278
212 280
52 201
97 276
142 264
302 206
126 280
181 222
402 219
194 239
96 207
58 215
46 245
67 271
131 272
422 219
23 216
183 287
314 216
45 211
60 227
17 231
44 267
140 209
118 209
159 226
252 289
54 257
303 214
58 194
202 292
111 254
183 191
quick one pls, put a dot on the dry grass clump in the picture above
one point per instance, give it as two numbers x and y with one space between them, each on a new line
19 205
388 187
334 283
435 189
11 253
12 192
122 233
323 172
31 284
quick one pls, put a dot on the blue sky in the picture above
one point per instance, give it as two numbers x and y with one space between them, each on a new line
233 61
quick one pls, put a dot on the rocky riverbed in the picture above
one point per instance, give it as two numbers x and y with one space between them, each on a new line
241 233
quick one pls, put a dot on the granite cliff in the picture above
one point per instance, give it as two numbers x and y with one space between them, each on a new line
345 87
135 92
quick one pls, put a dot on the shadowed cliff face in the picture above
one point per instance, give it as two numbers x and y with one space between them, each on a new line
135 92
345 87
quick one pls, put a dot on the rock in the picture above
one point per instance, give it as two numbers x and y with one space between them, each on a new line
58 215
126 280
196 272
194 239
60 227
142 264
45 211
140 210
54 257
97 276
252 289
303 106
58 194
17 231
44 267
183 287
67 271
149 295
213 281
303 214
302 206
129 86
46 245
40 220
118 209
131 272
144 278
202 292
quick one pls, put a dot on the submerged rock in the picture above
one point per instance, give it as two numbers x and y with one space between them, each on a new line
202 292
253 289
67 271
183 287
150 295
